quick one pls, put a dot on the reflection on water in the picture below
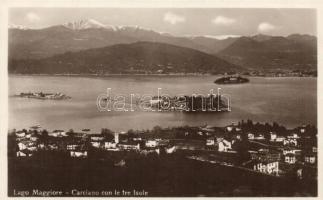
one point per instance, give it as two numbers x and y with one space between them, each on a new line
290 101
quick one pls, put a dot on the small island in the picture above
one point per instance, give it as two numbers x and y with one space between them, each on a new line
43 96
231 80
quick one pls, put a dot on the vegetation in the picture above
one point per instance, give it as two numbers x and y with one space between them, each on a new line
136 58
292 52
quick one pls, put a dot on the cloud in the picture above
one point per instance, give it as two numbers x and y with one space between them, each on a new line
265 27
32 17
224 21
173 18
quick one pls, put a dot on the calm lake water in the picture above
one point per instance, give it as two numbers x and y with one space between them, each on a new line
289 101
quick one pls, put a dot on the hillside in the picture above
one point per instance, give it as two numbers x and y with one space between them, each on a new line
267 52
139 57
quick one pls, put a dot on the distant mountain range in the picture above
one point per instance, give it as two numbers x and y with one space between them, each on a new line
255 53
86 34
268 52
135 58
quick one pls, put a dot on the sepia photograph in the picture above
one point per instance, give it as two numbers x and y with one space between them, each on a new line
162 102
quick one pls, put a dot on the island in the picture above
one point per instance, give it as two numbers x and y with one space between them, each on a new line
231 80
43 96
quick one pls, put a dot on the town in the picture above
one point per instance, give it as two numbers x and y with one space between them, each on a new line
266 149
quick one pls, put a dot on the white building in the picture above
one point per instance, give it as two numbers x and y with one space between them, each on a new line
210 142
78 154
260 137
280 139
290 158
110 145
26 144
170 150
129 146
267 168
96 138
314 149
251 136
72 146
151 143
273 136
23 154
41 146
291 151
33 138
290 142
20 134
96 144
22 146
224 145
53 147
311 159
293 136
57 133
32 148
229 128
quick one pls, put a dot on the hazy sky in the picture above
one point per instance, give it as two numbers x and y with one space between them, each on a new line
179 21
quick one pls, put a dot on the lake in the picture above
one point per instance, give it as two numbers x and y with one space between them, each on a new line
289 101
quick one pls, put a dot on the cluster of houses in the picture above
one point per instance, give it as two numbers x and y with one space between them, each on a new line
27 143
78 145
222 144
270 153
277 154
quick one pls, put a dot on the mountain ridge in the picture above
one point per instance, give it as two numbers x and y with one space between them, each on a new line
138 57
274 52
256 52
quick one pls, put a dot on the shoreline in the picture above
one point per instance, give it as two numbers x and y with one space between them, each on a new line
107 75
149 75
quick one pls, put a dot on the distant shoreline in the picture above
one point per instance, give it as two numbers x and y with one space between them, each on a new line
158 75
107 75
